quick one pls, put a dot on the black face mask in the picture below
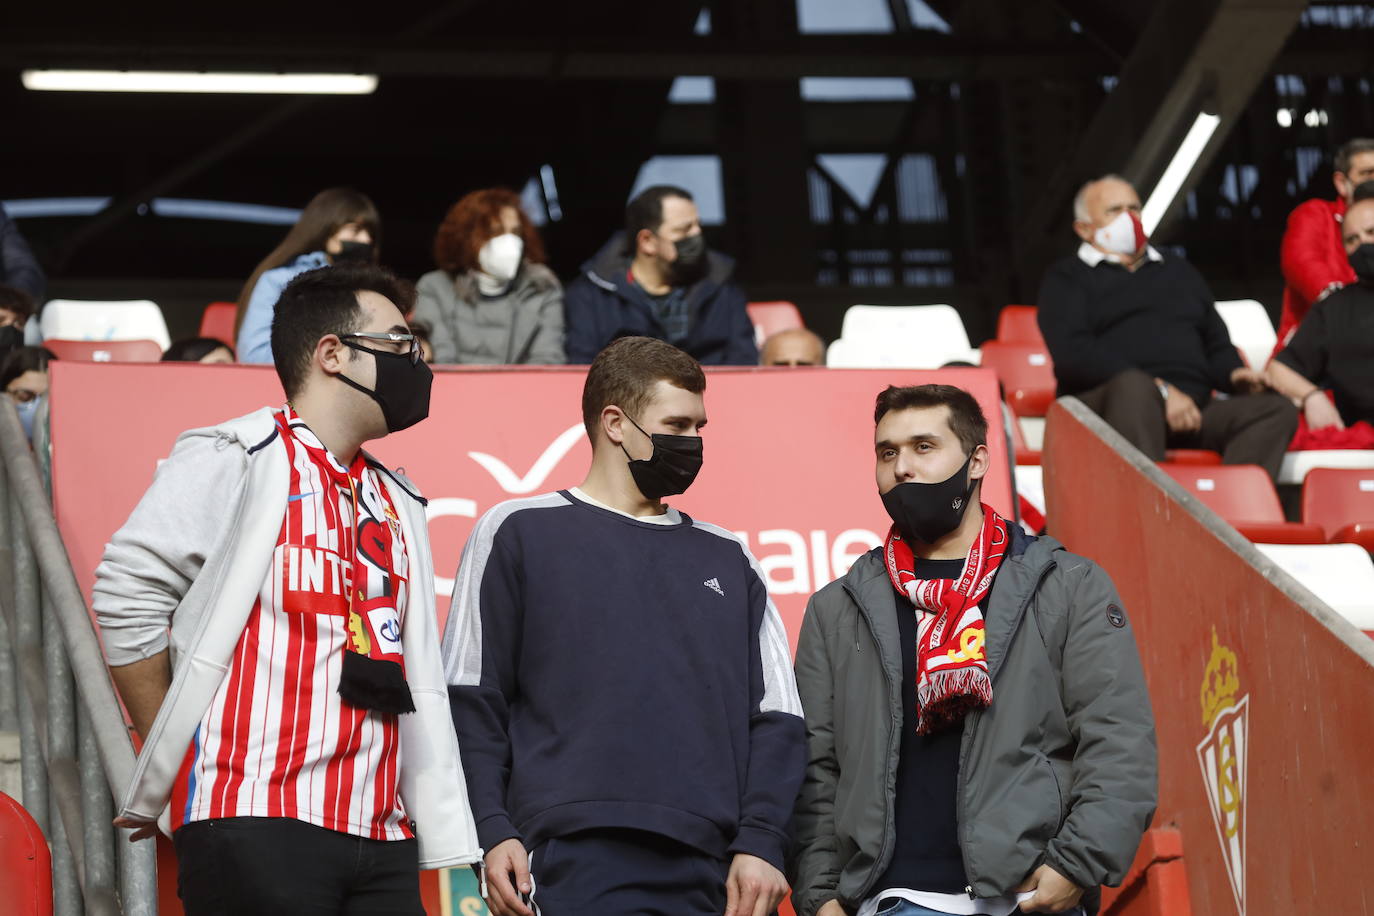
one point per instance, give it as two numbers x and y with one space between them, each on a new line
353 253
402 388
690 265
929 511
1362 260
672 467
11 337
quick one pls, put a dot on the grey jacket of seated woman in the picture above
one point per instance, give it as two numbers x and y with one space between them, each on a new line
492 301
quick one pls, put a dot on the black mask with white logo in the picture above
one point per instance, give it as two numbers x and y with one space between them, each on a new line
929 511
1362 260
672 467
401 389
353 253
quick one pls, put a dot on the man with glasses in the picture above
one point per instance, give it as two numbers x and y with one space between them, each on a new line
268 616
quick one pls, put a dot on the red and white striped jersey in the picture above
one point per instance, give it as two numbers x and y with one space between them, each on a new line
277 740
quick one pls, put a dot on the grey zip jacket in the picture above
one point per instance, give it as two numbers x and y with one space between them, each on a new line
1059 770
182 574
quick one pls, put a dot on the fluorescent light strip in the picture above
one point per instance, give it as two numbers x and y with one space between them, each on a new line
167 81
1179 167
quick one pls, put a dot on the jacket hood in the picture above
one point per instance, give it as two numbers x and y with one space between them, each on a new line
537 278
607 268
255 431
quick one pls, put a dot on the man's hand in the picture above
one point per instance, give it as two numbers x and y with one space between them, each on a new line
1320 412
1053 892
753 888
142 829
1181 412
508 876
1248 381
831 908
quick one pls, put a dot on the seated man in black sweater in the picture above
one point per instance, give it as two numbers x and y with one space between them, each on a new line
1334 345
1136 337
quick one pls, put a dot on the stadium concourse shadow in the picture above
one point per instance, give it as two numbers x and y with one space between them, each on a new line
1261 692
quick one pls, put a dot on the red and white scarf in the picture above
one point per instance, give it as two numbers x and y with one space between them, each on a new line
952 668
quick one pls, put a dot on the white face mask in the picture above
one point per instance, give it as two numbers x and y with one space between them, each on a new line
500 257
1123 235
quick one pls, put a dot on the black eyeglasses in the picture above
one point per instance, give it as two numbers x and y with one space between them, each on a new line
411 346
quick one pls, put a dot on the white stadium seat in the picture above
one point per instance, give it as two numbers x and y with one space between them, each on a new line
1297 464
901 336
1342 575
1250 328
77 319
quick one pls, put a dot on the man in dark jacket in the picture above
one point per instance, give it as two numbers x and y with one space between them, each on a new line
1135 336
659 280
980 735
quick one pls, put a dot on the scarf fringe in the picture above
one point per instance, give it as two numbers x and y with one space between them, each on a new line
946 697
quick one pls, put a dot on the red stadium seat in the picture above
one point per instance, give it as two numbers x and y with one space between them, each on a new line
771 317
1026 373
1341 501
106 351
1244 496
1192 456
1018 324
1024 454
217 321
25 863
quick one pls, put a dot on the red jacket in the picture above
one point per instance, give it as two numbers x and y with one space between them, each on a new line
1312 258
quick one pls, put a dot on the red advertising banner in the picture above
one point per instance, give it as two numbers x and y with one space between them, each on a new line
789 453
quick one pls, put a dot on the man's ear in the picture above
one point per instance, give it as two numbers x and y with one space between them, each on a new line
612 424
331 354
646 243
1083 230
982 461
1342 184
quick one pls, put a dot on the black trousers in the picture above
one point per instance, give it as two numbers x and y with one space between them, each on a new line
617 872
265 866
1246 429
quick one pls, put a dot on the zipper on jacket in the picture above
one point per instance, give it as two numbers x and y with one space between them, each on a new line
971 726
889 830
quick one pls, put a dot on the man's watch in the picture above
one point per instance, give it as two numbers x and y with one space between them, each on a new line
1163 390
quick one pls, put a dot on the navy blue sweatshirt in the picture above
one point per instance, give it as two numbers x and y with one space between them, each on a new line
610 672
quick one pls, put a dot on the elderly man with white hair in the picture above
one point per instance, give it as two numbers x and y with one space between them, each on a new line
1135 335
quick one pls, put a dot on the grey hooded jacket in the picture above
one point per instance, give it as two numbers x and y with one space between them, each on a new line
524 325
1059 770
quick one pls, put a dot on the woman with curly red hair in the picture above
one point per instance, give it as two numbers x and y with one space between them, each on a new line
492 300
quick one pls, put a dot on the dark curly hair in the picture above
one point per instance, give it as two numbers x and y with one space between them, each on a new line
469 225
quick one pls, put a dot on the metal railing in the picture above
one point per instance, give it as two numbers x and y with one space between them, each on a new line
77 756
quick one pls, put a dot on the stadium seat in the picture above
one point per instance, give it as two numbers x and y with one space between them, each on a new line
1026 373
1245 498
1297 465
106 351
25 862
1342 575
217 321
1018 324
771 317
902 336
73 319
1200 456
1251 330
1341 501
